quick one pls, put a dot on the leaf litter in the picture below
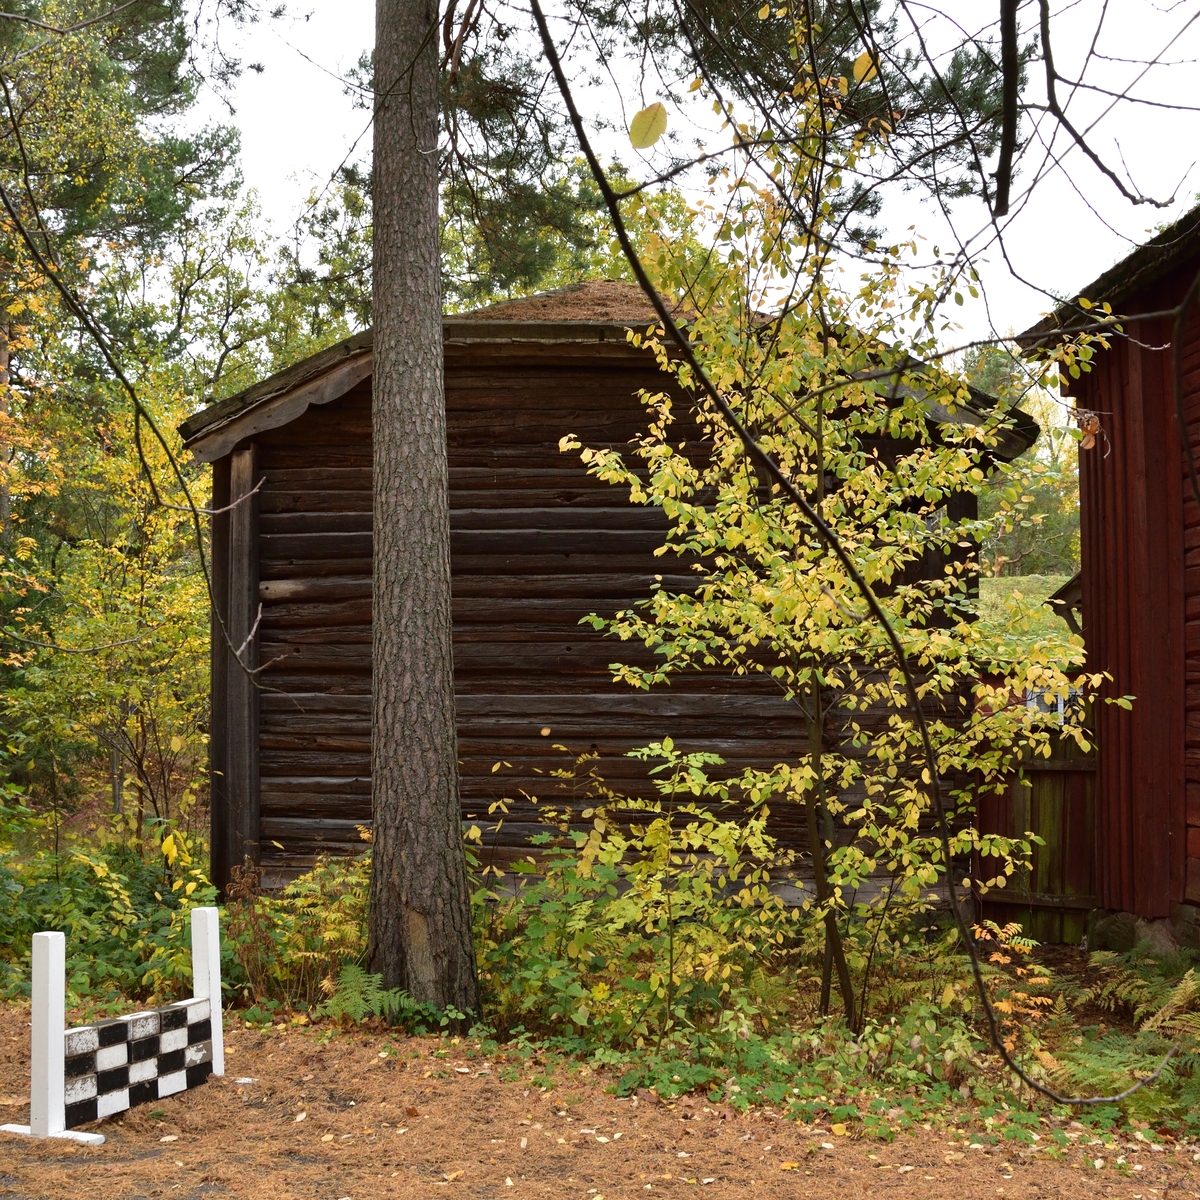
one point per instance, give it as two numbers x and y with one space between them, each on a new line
410 1127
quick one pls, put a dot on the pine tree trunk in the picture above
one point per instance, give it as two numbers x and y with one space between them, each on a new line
420 928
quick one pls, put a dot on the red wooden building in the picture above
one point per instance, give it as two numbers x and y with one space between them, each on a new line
1139 583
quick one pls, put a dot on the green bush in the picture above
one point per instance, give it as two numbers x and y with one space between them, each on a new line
656 919
126 917
292 948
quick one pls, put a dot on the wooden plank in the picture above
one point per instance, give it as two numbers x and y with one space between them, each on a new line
314 568
298 683
511 490
317 633
346 587
242 730
500 567
218 762
734 707
310 477
342 521
626 517
277 499
333 458
611 584
306 615
278 763
304 546
314 702
311 739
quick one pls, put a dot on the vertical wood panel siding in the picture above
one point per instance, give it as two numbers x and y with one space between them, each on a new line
1190 848
218 765
1135 591
1056 800
241 659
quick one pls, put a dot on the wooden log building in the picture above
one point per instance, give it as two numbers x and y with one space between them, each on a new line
536 544
1138 590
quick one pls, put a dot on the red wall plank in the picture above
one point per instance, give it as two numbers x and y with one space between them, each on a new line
1141 579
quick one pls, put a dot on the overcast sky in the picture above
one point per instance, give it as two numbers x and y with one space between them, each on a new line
297 124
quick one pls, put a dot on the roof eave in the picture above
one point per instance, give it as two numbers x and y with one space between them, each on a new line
1136 271
308 382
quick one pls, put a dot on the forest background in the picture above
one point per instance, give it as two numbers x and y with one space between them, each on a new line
156 243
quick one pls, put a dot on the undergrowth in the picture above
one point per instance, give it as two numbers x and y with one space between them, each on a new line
652 941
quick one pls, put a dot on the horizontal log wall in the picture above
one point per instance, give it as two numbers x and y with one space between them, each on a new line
536 544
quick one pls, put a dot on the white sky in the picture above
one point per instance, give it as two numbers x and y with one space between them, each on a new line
297 125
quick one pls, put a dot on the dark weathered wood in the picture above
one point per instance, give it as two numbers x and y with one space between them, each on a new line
537 545
221 827
307 588
309 477
303 546
317 614
242 747
345 521
309 500
317 568
318 633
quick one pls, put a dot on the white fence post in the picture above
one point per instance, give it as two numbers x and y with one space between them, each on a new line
46 1103
206 976
47 1099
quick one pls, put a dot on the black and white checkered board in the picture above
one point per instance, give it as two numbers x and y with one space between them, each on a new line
113 1065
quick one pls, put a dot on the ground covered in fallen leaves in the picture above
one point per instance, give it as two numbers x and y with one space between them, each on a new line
305 1112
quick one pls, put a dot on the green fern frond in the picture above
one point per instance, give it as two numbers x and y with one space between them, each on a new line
1180 1001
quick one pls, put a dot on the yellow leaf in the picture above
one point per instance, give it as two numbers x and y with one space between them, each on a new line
789 1166
177 744
169 849
864 67
648 126
948 995
764 12
696 84
839 1130
453 1176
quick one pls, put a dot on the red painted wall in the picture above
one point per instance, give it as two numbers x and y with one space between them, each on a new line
1141 603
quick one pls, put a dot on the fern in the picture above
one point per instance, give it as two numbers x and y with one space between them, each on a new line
1175 1015
1120 987
357 995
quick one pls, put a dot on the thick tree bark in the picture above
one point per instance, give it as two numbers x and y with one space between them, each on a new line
420 925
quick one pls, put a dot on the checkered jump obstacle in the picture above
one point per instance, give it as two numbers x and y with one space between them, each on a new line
80 1075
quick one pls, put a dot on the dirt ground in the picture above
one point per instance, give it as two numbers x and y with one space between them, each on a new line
375 1115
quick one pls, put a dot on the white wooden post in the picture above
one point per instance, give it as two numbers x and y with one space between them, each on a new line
206 976
47 1103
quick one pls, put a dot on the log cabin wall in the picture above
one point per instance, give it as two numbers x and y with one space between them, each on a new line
536 545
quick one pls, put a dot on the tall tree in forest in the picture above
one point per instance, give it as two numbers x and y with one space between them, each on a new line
420 935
